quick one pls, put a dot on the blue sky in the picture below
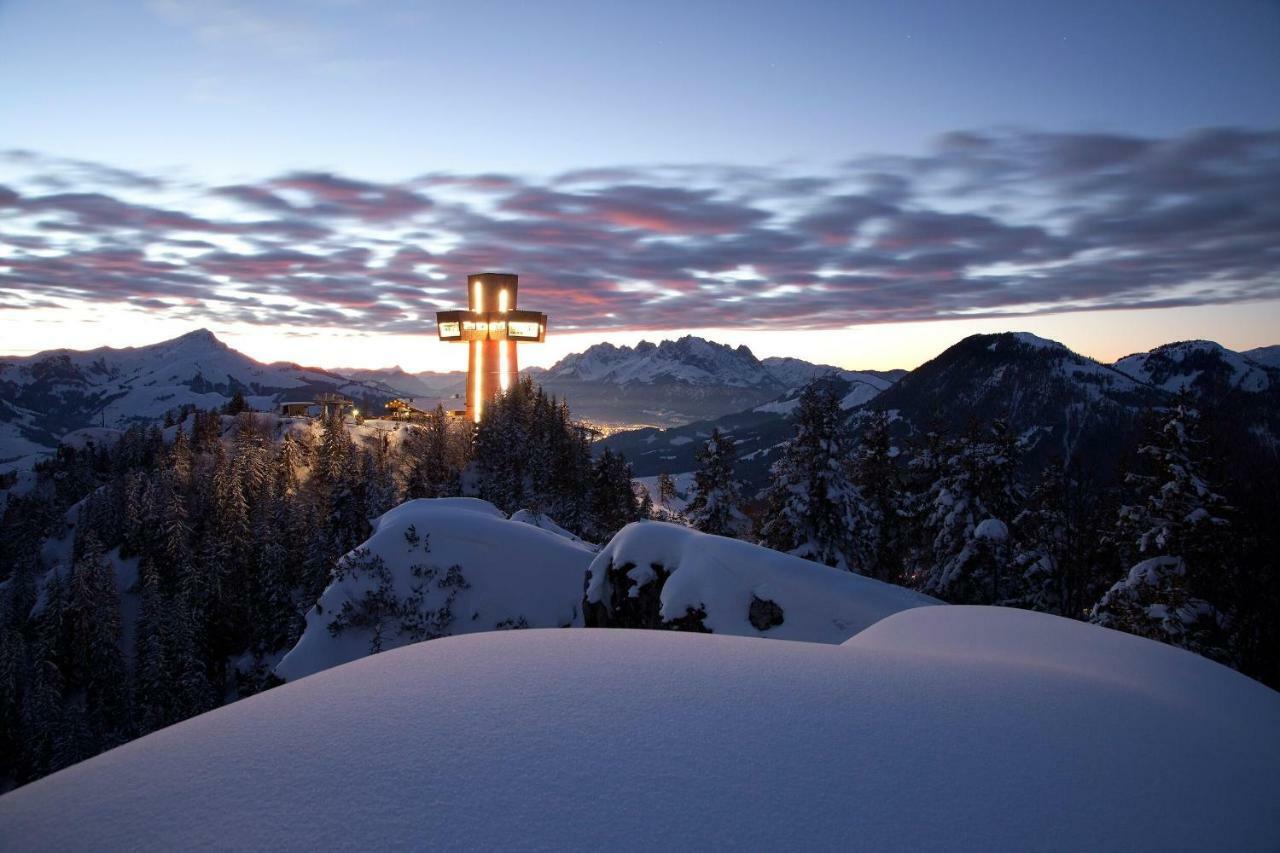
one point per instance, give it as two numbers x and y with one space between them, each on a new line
741 149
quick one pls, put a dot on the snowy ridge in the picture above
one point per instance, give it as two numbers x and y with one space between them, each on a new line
863 387
1187 364
51 393
1020 731
1265 356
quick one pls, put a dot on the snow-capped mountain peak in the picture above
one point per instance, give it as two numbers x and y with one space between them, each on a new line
1196 364
689 360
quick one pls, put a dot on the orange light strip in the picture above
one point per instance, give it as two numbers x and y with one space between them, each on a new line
504 350
477 395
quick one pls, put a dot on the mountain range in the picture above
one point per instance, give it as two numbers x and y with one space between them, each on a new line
1062 404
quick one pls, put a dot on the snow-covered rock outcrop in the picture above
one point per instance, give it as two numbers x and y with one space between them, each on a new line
437 567
971 728
658 575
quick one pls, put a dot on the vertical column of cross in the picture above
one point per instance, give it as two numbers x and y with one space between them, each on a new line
492 363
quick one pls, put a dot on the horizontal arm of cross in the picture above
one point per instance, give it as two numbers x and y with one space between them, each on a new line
462 326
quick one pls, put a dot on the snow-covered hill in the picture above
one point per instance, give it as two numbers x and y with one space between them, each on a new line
1197 366
427 383
861 386
960 728
445 566
652 573
44 396
1266 356
471 569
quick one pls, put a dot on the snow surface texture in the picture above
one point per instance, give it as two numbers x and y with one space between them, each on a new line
517 574
545 522
819 604
958 728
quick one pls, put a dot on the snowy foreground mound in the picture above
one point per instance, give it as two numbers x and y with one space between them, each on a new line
448 566
939 728
654 575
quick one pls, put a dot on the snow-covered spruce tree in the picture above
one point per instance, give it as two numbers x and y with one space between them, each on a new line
813 507
97 665
613 501
501 444
717 498
644 502
528 453
434 470
1176 537
963 553
666 489
1056 549
879 483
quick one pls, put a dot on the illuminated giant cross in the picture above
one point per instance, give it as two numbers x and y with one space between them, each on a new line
493 327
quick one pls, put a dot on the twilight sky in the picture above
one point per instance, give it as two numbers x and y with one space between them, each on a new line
855 183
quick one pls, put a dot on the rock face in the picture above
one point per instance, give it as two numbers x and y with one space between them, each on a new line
764 614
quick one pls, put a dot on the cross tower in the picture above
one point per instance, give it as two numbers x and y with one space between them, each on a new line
492 327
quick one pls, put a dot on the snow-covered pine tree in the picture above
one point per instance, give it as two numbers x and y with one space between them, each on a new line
97 665
613 501
1176 532
433 472
1056 550
644 502
879 483
42 719
571 467
716 506
963 556
813 508
666 489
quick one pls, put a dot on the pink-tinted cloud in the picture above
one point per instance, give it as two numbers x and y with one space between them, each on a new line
984 223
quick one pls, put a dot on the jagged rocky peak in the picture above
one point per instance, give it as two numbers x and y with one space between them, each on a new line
691 360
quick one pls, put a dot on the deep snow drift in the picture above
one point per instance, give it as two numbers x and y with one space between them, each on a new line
528 572
940 727
724 576
510 573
